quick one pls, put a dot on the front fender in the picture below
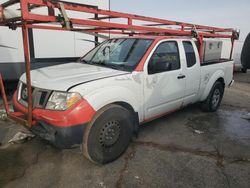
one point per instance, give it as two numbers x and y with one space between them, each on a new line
107 95
209 81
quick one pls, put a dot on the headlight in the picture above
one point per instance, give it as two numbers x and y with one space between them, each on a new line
62 100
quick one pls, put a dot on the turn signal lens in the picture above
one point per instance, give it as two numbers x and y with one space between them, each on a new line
72 99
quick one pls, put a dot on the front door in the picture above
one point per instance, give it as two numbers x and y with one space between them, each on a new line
165 82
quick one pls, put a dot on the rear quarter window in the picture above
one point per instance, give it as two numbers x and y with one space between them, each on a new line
190 54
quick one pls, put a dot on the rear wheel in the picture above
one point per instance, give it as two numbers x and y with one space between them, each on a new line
244 70
108 135
212 103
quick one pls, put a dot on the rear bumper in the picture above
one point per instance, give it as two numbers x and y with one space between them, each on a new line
63 129
231 83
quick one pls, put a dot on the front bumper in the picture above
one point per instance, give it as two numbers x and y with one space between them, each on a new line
61 137
64 129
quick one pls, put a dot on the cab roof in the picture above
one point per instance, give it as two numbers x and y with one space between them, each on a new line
153 37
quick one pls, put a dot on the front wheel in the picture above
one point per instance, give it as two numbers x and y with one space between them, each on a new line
212 103
107 136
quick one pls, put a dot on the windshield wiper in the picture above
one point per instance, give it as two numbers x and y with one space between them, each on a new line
84 61
121 67
99 63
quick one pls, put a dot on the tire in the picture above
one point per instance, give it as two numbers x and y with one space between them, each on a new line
244 70
108 135
245 53
212 103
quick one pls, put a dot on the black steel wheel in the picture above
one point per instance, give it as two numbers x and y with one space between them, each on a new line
108 134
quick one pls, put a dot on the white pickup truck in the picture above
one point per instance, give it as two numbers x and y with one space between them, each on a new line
100 101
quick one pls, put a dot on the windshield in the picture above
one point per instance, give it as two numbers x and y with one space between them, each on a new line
121 54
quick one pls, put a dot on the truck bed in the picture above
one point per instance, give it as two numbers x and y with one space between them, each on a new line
205 63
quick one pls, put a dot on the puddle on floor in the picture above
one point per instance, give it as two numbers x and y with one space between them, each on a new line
224 124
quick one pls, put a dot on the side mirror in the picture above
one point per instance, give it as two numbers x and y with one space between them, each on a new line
161 66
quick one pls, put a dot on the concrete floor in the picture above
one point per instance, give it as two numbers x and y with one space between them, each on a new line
188 148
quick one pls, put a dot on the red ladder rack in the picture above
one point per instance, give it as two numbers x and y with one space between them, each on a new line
102 22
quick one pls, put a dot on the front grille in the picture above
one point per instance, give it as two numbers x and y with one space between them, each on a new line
43 98
39 96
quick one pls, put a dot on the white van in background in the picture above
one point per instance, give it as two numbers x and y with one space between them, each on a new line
236 53
46 47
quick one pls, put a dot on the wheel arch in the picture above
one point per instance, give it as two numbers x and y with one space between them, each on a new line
128 107
134 114
217 76
221 80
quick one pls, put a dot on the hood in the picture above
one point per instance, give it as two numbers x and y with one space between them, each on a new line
62 77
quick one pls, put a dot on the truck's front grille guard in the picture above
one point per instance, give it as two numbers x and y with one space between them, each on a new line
39 96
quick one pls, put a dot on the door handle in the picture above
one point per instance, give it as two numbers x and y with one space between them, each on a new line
181 77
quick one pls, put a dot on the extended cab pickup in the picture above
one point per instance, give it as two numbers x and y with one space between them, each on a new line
99 101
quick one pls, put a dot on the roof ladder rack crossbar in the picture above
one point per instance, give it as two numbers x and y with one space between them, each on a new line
149 24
